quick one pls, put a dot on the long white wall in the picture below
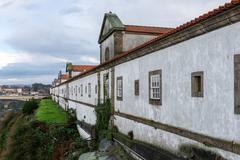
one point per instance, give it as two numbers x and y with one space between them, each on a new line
75 89
77 95
211 115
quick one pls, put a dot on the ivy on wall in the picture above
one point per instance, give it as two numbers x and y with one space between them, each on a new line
103 113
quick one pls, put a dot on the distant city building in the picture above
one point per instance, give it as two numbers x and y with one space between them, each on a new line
35 89
34 93
20 91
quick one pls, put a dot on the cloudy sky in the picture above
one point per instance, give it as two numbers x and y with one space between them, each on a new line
37 37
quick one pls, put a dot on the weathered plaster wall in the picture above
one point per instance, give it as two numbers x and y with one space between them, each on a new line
109 42
76 85
75 73
165 140
62 90
211 115
77 101
85 113
62 103
131 40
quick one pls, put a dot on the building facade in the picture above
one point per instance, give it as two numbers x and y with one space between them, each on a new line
170 88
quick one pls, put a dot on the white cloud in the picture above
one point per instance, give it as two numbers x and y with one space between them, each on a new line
89 59
27 58
37 26
46 79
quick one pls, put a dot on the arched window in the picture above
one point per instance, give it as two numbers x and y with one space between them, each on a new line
107 54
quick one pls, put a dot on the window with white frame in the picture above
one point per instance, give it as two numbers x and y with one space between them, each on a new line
155 87
119 88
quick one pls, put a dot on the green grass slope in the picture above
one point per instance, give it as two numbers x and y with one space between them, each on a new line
49 112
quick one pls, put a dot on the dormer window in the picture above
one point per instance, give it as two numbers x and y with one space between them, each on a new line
107 54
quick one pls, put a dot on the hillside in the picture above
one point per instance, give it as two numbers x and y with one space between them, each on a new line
24 137
49 133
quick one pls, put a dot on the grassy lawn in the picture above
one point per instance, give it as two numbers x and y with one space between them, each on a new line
49 112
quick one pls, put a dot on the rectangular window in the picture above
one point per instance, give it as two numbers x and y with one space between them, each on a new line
96 89
85 89
89 89
106 86
197 84
81 90
155 87
119 88
237 84
76 90
136 87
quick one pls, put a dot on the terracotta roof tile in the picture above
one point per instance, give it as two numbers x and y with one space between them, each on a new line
147 29
82 68
203 17
65 76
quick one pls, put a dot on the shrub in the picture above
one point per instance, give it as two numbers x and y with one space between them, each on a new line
34 140
48 97
103 112
5 126
30 143
30 106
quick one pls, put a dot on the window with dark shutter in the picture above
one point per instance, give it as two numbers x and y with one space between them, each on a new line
96 89
136 87
76 90
89 89
107 56
81 90
237 84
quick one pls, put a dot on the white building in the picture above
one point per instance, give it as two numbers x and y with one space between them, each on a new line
170 88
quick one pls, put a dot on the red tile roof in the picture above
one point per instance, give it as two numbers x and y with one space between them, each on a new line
147 29
203 17
64 76
82 68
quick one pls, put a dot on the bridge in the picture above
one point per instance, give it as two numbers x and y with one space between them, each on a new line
20 98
